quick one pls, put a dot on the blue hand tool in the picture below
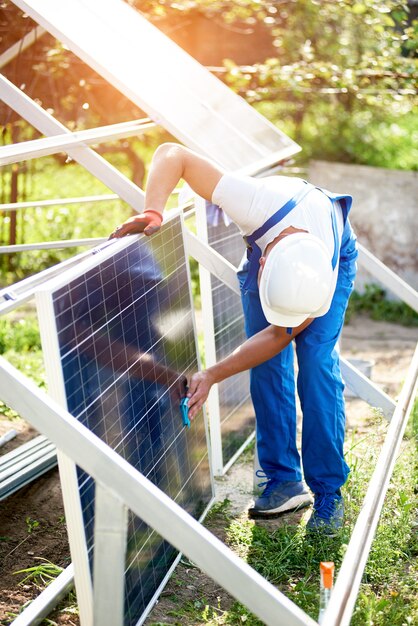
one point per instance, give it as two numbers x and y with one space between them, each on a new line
184 408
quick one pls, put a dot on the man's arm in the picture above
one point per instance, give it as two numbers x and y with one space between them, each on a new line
171 163
256 350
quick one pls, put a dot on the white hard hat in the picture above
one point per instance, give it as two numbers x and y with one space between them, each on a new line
296 280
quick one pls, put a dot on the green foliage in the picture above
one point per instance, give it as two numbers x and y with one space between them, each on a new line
31 524
343 82
219 509
20 344
41 574
19 335
194 277
375 303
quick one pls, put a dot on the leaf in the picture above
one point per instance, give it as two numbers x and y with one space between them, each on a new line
359 8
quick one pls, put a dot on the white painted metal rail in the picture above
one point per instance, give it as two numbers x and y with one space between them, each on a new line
385 275
93 162
25 463
21 45
19 206
51 245
25 150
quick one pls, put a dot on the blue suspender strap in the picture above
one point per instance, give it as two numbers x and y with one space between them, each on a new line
254 252
254 256
335 233
344 202
280 214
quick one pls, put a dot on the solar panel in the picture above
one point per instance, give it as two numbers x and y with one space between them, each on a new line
236 409
168 84
125 343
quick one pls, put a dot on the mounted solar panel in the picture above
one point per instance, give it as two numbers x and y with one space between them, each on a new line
236 410
119 342
161 78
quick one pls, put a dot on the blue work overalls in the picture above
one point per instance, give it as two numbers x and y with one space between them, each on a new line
319 383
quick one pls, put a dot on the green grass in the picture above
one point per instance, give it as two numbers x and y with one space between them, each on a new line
290 559
41 574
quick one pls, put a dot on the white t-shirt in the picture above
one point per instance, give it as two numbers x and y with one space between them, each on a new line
250 202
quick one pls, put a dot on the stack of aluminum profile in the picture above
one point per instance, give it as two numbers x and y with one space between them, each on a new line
25 464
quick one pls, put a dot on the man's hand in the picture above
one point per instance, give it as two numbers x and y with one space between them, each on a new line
200 385
148 222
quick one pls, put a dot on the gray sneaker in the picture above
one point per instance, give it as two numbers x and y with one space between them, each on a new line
280 497
328 514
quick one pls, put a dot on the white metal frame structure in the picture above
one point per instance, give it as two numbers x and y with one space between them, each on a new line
354 562
123 486
51 145
93 162
211 263
127 486
72 23
170 86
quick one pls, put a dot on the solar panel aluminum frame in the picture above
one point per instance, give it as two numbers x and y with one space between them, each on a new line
219 463
213 405
204 114
68 471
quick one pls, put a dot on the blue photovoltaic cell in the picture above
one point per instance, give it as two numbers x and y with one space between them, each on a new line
127 344
237 413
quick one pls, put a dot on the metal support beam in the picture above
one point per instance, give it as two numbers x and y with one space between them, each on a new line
148 502
366 389
25 150
391 280
208 259
17 206
21 45
94 163
25 463
110 536
346 588
212 261
51 245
